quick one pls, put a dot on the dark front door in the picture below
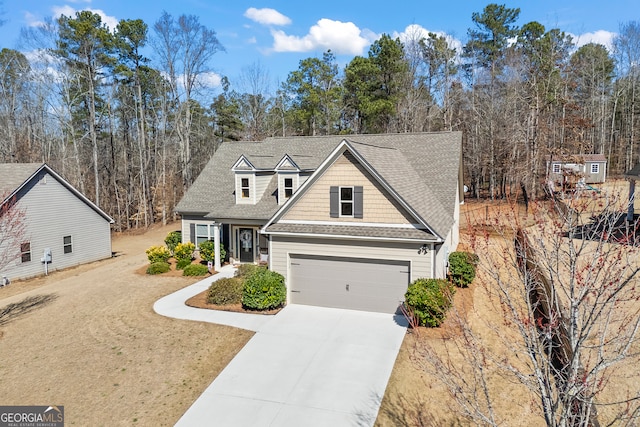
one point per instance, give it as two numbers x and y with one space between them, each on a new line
245 238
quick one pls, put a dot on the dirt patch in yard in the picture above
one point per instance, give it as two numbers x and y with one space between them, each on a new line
88 338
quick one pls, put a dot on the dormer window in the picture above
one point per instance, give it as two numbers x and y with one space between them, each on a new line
288 187
346 201
244 188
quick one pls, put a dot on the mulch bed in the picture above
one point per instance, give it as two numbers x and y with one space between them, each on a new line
200 301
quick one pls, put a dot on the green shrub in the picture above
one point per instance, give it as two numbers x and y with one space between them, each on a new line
263 289
184 251
244 270
207 251
158 268
429 300
158 254
181 264
195 270
172 240
225 291
462 268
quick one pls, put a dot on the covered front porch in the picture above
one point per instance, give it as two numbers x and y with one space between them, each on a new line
241 240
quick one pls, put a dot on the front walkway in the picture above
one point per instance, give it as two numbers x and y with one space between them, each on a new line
307 365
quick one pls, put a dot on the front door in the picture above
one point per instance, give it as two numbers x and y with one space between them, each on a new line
246 245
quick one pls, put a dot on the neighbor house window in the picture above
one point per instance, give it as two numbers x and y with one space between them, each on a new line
288 187
66 241
244 184
25 251
595 168
346 201
556 168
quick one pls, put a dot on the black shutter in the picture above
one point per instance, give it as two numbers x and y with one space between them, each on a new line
192 233
334 202
357 202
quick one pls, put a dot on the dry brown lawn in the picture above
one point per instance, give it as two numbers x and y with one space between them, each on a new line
88 338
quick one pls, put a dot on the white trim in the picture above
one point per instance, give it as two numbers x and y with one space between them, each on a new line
353 224
352 201
433 261
240 161
286 158
351 237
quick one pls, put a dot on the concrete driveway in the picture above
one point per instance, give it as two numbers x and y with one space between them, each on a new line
307 366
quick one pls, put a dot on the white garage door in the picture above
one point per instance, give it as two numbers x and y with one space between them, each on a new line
352 283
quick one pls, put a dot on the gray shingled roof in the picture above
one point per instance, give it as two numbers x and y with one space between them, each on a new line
421 167
13 175
347 230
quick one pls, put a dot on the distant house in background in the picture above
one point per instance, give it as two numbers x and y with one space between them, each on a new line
61 224
572 170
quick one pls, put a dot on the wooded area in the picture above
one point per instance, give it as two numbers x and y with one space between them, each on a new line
132 133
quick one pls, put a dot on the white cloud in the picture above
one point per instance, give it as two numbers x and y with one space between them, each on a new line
110 21
415 31
340 37
602 37
32 20
252 40
267 16
210 79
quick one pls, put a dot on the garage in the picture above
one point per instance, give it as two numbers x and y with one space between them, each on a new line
351 283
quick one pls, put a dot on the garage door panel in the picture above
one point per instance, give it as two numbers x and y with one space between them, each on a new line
360 284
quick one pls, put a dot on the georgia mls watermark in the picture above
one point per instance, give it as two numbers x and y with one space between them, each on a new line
31 416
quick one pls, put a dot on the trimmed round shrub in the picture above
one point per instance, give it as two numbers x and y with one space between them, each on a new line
225 291
158 254
158 268
429 300
245 270
462 268
181 264
207 251
195 270
184 251
263 289
172 240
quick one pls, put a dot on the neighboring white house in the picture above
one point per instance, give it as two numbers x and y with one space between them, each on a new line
60 224
349 221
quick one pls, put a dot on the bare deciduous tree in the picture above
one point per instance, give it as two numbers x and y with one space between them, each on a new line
559 326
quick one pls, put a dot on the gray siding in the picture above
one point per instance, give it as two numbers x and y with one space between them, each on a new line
51 212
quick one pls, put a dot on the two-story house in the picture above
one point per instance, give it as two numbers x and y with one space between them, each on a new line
348 220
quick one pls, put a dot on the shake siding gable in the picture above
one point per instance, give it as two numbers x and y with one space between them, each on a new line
378 206
51 212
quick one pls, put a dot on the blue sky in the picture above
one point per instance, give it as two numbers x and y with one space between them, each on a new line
278 34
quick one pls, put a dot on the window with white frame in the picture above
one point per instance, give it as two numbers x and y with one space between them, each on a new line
67 246
288 187
556 168
244 187
595 168
346 201
204 232
25 251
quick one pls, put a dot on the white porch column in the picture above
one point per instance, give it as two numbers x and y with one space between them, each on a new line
216 245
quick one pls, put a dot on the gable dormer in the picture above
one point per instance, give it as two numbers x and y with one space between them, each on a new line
245 181
288 178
